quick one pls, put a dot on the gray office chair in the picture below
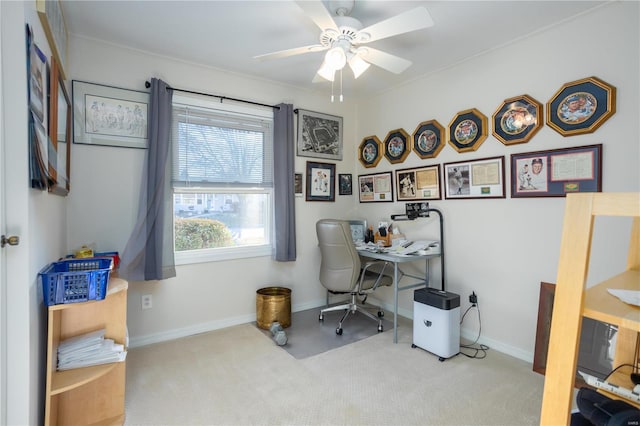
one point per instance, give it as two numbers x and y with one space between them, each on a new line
342 272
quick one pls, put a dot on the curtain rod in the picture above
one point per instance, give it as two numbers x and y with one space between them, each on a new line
222 98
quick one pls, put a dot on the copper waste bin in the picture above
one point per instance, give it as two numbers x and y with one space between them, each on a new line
273 304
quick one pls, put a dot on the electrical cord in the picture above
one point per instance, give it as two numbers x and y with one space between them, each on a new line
480 349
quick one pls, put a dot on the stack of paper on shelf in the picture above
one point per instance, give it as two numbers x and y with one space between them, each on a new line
89 349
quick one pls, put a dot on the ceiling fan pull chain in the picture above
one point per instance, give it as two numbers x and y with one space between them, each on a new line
331 91
341 98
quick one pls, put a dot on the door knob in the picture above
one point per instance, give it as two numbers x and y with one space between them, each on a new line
12 240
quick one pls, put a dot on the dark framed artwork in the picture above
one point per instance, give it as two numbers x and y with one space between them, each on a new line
297 184
517 120
428 139
397 146
595 338
581 106
556 172
370 151
111 116
321 181
376 187
319 135
468 130
483 178
345 184
421 183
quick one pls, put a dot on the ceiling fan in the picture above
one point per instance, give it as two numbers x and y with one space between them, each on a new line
344 38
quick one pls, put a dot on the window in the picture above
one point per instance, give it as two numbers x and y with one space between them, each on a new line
222 175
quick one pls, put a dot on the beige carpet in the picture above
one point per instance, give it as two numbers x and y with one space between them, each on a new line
238 376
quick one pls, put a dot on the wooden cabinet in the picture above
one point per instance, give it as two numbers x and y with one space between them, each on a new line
89 395
572 301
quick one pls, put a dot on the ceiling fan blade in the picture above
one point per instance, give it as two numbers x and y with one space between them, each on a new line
384 60
318 14
291 52
411 20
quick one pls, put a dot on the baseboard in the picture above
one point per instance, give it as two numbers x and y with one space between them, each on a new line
177 333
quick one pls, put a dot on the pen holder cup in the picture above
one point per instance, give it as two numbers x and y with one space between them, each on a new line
386 240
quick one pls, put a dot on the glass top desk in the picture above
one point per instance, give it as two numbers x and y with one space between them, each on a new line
398 274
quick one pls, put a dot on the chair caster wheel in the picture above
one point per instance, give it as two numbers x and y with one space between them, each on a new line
441 359
413 346
380 314
321 317
380 329
339 331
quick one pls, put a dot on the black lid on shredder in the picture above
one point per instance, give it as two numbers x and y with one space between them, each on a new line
437 298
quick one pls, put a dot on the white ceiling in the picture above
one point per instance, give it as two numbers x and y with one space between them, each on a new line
228 34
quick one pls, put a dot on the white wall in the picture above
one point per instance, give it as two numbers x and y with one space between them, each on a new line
502 249
105 190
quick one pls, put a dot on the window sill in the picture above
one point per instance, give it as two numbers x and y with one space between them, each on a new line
216 255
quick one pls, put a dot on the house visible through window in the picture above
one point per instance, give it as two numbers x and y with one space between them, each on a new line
222 176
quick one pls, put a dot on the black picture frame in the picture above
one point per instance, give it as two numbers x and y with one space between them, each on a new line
517 120
376 187
563 171
581 106
397 146
370 151
319 135
467 130
418 184
321 181
345 184
428 139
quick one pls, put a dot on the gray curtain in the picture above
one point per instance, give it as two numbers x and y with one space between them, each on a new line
283 179
148 254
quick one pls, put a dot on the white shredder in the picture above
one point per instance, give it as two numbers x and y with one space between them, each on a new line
436 322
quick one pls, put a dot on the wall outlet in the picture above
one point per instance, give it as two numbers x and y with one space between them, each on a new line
147 301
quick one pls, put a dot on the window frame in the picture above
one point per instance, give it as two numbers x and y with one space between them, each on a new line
225 253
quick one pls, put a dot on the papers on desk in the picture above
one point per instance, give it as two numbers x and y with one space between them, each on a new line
87 350
631 297
420 247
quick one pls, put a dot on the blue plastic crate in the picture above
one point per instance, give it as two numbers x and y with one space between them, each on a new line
75 280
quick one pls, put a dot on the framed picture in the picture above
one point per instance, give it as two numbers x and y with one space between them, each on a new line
397 146
321 181
345 184
422 183
556 172
517 120
428 139
38 83
297 184
59 132
319 135
581 106
106 115
467 130
376 187
483 178
370 151
358 229
55 28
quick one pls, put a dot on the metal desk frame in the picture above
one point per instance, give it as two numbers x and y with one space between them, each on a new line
397 259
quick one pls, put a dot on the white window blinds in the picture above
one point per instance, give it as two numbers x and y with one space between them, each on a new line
215 148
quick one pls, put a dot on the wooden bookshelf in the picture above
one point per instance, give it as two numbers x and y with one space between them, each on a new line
89 395
573 301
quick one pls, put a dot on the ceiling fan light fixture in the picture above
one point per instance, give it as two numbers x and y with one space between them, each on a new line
336 58
326 72
358 66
